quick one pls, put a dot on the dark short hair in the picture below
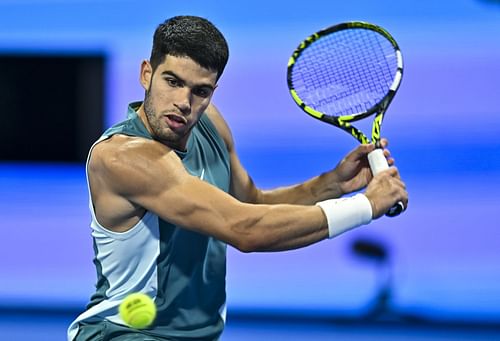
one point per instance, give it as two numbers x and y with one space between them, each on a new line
193 37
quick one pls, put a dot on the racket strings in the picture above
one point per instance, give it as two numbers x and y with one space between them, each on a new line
346 72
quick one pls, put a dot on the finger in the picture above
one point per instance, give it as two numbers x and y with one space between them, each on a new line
399 192
398 183
361 151
384 142
392 176
367 148
392 171
387 153
404 199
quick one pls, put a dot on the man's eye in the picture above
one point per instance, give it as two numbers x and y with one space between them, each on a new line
201 92
172 82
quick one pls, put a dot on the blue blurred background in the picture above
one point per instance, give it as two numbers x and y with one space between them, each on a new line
443 254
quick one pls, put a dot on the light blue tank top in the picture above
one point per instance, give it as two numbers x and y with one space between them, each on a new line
183 271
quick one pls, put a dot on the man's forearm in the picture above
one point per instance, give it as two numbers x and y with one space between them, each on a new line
322 187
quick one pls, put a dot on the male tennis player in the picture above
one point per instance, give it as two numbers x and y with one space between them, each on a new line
168 193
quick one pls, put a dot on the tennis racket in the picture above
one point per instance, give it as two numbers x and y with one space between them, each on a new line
345 73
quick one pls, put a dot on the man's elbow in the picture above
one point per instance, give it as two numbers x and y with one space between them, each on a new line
250 235
248 244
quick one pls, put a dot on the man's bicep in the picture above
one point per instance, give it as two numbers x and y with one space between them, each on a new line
163 186
191 203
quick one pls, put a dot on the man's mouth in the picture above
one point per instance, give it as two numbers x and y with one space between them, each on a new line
175 121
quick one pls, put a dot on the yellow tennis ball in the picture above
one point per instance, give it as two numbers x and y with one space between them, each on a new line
138 310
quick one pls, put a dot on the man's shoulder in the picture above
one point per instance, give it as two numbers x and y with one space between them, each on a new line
220 124
214 115
118 143
126 150
132 164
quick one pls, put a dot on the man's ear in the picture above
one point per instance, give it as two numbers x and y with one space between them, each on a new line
146 74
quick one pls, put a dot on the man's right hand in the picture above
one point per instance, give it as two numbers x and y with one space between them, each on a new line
385 190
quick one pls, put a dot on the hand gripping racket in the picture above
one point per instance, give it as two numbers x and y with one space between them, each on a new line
345 73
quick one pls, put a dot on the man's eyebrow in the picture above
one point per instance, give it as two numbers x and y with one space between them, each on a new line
171 73
201 85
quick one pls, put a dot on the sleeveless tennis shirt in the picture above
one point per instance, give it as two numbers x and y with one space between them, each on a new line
183 271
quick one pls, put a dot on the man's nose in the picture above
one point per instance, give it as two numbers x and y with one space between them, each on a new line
183 100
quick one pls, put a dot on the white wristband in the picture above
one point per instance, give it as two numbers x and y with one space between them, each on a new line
346 213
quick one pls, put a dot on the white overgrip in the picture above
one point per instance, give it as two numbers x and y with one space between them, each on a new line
377 161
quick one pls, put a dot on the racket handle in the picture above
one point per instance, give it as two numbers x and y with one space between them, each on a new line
378 163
